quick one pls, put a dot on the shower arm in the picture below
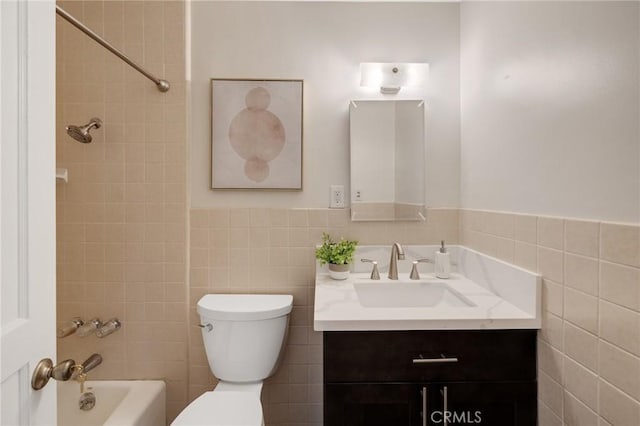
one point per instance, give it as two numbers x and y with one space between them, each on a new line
163 85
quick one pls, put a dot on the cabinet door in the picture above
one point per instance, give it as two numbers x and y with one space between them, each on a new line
372 404
478 403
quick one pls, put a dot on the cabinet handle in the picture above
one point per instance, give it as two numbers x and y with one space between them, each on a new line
424 406
446 405
443 359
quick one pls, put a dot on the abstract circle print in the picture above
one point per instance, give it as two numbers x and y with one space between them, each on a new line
257 135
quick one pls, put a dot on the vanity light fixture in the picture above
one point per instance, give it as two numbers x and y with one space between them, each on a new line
390 77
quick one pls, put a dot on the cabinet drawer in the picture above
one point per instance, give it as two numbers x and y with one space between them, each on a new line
384 356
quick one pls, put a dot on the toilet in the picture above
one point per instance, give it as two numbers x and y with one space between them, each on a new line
243 338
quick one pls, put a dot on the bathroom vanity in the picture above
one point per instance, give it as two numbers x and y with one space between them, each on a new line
393 377
430 352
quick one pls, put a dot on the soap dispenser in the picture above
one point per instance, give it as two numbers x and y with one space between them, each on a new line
442 262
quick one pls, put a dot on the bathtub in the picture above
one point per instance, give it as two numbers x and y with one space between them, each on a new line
118 403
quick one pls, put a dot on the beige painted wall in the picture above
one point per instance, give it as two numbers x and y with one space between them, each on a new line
324 43
550 98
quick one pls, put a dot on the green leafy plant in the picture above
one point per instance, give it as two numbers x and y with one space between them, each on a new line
338 253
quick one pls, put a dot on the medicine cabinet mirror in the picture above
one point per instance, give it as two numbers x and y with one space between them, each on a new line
387 160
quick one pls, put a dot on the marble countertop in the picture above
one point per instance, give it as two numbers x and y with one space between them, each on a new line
502 297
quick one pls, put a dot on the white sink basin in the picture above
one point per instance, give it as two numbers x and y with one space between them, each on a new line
401 294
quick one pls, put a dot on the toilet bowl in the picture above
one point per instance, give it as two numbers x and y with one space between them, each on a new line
239 407
243 338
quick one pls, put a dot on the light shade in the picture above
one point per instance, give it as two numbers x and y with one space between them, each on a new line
391 76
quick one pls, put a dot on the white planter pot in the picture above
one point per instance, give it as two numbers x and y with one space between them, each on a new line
339 272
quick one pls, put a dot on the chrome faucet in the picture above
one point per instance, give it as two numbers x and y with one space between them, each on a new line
397 253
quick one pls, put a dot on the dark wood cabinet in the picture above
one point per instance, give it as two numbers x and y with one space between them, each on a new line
371 404
388 378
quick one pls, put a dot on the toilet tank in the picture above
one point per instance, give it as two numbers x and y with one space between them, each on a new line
246 334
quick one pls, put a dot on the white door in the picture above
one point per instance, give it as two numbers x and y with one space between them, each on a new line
27 208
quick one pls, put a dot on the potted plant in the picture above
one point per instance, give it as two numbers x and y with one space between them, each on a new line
337 254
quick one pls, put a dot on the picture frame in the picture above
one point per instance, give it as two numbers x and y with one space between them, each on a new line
256 134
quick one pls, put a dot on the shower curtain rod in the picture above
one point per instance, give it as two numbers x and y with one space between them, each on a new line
163 85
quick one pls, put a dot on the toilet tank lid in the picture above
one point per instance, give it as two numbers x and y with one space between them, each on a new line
244 307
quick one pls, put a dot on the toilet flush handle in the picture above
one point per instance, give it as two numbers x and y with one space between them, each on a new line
207 326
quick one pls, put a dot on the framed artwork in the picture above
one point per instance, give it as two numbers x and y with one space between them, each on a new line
256 134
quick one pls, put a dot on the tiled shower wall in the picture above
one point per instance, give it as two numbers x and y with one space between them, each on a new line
272 251
122 216
589 345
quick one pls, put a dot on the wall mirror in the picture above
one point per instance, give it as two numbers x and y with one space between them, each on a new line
387 160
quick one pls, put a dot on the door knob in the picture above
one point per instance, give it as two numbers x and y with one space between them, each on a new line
45 370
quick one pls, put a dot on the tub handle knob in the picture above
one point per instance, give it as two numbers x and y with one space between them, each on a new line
207 326
70 327
111 326
89 327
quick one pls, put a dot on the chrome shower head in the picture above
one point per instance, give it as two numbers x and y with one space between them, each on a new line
81 133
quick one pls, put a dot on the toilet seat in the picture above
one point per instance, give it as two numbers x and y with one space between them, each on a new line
222 408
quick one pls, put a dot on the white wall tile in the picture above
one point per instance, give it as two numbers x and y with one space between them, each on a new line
620 284
581 309
551 232
550 394
553 297
578 414
620 326
616 407
551 264
526 229
581 273
620 368
551 361
620 243
552 330
581 382
582 237
581 346
546 417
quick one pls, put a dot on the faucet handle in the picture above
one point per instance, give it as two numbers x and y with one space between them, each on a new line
92 362
69 327
375 274
89 327
415 275
108 327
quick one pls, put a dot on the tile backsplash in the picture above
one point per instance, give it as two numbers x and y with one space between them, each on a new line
272 251
589 345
